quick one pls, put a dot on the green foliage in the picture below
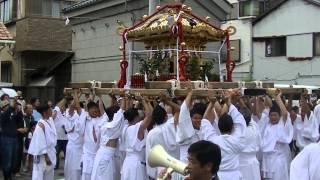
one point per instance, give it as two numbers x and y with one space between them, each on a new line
193 68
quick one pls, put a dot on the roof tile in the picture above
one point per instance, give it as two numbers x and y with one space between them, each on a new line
4 33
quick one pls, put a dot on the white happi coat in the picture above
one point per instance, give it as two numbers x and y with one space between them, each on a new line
230 145
90 147
276 154
186 134
307 131
72 167
104 165
306 165
59 122
134 165
248 162
164 135
43 142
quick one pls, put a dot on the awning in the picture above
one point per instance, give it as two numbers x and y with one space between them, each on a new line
42 82
57 61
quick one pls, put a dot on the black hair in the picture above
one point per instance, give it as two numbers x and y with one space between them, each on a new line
225 123
131 114
110 111
33 100
206 152
198 108
82 104
275 108
295 109
159 115
92 105
246 113
43 108
3 95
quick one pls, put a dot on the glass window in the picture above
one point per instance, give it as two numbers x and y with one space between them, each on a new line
6 73
8 10
276 47
252 7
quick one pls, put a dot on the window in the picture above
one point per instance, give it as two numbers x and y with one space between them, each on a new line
316 44
6 73
8 10
252 7
235 50
276 47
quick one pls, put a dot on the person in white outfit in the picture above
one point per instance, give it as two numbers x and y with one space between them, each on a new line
164 134
42 146
134 139
306 165
277 132
248 163
72 167
229 137
110 131
90 125
307 128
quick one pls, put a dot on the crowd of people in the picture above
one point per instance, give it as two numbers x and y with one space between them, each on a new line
227 137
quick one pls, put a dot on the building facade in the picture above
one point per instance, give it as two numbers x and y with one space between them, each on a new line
95 41
272 42
286 43
39 61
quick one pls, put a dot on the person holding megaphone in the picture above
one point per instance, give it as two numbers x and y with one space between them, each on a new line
204 158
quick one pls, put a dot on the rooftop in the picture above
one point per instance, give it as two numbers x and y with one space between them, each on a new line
4 33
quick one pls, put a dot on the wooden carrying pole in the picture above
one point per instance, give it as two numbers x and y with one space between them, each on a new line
184 92
149 92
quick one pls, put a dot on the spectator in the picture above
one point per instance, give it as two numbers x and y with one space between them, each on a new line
35 102
21 100
22 132
5 97
49 102
10 121
28 120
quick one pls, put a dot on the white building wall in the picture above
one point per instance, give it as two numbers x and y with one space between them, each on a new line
297 20
293 17
96 46
244 34
281 70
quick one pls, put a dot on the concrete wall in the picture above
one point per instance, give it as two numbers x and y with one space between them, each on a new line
293 17
96 46
299 29
281 70
244 34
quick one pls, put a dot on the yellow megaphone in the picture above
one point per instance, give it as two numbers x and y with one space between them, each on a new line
158 157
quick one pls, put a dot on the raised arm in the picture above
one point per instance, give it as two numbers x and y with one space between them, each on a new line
101 105
284 111
209 114
305 108
76 101
175 107
147 119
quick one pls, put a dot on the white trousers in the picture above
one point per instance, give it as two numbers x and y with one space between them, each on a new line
41 171
104 166
72 169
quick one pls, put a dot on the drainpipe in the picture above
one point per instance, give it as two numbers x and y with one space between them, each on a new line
251 51
152 5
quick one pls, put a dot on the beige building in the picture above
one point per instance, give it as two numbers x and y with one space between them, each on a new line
38 63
